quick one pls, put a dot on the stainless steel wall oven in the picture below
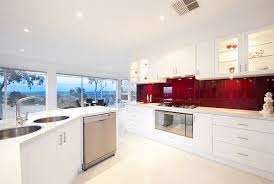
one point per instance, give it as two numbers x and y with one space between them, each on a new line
173 122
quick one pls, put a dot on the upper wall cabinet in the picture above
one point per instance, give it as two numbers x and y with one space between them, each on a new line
180 62
134 72
155 70
227 54
205 60
247 54
259 49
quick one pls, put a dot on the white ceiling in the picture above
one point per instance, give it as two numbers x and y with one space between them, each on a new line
104 36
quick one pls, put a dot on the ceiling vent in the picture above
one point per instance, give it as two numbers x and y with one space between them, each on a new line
184 6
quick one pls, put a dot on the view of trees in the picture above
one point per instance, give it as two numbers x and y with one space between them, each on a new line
101 83
69 90
17 76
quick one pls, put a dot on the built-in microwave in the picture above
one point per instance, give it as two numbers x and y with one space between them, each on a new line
173 122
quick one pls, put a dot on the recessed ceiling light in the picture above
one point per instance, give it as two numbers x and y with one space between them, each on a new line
26 30
162 18
79 14
21 50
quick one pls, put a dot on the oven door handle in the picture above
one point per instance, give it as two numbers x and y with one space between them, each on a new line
169 113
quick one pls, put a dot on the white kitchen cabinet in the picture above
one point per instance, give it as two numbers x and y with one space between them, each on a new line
183 61
54 157
175 63
258 58
245 54
140 120
202 132
205 60
155 70
134 72
228 58
257 159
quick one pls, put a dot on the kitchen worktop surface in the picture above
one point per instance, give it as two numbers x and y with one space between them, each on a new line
48 127
210 110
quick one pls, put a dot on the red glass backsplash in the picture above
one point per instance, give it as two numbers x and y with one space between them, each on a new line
244 93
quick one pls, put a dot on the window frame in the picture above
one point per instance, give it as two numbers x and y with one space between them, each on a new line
4 70
82 85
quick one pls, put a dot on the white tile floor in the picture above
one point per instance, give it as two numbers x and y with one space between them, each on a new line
142 161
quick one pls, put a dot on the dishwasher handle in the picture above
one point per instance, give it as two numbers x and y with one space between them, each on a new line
101 117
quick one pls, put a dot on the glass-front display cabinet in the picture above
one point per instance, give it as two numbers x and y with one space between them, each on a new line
227 56
260 51
134 72
143 71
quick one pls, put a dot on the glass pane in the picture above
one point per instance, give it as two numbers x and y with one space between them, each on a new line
68 91
124 90
1 95
21 84
98 91
133 89
228 56
260 51
107 91
89 89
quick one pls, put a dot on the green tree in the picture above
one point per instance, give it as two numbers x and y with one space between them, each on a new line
14 97
77 93
18 76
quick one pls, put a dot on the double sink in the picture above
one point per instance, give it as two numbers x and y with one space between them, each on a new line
24 130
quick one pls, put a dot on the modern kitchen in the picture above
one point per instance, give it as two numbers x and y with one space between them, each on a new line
140 92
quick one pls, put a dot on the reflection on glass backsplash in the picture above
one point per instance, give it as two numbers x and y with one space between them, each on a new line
244 93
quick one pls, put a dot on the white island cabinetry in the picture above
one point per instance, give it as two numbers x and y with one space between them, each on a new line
54 157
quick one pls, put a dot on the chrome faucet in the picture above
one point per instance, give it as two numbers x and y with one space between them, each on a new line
21 119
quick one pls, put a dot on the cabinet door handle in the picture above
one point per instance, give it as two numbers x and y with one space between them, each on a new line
242 154
61 139
240 68
241 124
243 138
246 67
65 137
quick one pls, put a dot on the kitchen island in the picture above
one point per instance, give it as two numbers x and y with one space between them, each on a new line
52 154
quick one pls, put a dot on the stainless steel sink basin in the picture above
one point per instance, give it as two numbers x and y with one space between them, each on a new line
18 131
51 119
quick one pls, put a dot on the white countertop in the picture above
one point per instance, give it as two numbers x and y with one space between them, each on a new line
210 110
48 127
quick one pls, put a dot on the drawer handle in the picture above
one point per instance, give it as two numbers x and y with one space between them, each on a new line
241 124
243 138
242 154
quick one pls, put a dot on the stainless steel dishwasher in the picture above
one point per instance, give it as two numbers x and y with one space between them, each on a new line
99 138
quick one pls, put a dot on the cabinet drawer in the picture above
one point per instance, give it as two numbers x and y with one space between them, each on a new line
244 123
250 139
257 159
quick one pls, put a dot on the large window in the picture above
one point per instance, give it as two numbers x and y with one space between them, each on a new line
17 84
69 90
76 91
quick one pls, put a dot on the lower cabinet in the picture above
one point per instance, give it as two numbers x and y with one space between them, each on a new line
244 141
54 158
250 157
140 120
202 132
240 142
